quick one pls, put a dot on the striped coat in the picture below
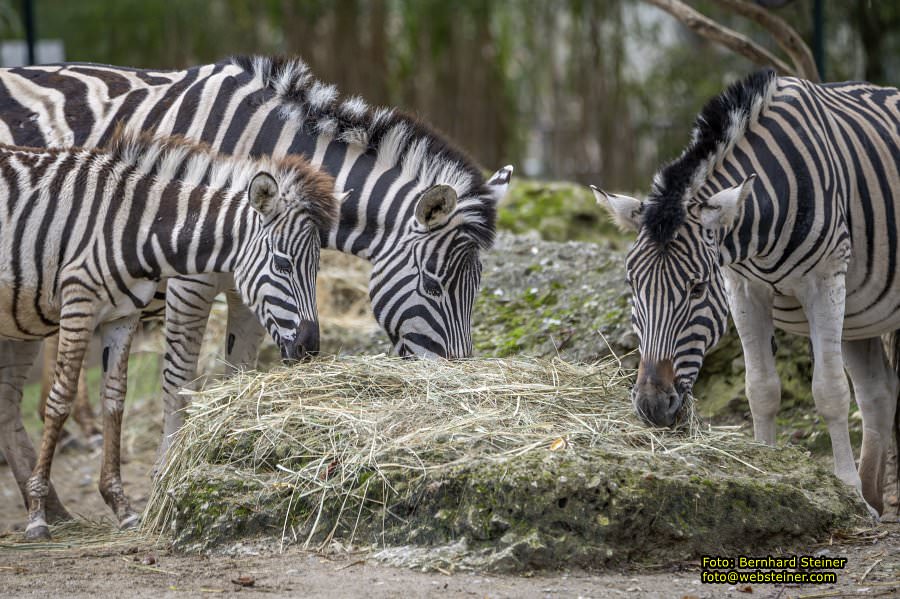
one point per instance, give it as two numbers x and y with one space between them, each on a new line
91 234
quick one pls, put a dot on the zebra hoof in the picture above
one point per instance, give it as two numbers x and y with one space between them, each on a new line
876 516
37 532
129 522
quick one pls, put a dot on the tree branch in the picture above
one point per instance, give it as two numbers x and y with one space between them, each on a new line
709 29
785 36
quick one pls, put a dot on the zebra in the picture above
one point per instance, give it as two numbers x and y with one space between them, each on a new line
783 209
90 234
417 208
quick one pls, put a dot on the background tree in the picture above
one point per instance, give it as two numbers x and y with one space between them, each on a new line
598 91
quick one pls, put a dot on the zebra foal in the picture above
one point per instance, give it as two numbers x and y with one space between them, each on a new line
784 209
91 234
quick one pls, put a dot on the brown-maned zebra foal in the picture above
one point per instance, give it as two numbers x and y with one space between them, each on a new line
90 235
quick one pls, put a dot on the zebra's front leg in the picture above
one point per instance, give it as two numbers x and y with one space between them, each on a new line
875 385
823 302
76 327
243 335
16 359
751 309
188 301
116 336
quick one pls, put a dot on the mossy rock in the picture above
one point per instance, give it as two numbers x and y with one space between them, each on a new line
557 211
543 510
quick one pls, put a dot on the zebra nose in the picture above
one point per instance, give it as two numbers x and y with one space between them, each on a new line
304 344
655 399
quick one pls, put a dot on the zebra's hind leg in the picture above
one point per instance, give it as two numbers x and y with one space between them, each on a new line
76 327
82 412
875 385
751 309
116 338
16 358
823 302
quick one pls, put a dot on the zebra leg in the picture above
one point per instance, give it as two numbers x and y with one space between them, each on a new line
188 302
823 303
82 412
74 336
875 385
243 334
16 359
751 310
117 336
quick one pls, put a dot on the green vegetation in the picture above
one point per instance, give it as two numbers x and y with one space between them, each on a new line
558 212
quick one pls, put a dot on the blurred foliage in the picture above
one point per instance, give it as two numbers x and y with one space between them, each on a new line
596 91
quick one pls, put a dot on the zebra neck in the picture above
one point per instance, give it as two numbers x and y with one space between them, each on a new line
212 240
377 210
751 235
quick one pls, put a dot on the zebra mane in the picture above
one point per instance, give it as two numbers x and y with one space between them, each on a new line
397 138
194 163
720 125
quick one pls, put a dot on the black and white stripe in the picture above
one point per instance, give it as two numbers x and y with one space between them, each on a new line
784 207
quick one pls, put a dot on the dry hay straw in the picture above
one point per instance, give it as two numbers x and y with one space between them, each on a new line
81 533
334 431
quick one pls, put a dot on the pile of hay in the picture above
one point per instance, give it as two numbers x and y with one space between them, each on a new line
502 464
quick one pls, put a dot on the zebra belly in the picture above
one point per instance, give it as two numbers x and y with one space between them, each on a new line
858 324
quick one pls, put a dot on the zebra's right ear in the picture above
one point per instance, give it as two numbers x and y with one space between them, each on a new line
263 193
435 206
625 210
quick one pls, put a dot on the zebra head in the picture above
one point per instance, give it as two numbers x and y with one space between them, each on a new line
679 306
276 271
423 288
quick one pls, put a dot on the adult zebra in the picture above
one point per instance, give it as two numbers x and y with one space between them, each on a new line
89 235
786 204
418 209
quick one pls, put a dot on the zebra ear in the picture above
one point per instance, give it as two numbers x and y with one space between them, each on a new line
435 206
263 193
340 196
625 210
722 208
499 182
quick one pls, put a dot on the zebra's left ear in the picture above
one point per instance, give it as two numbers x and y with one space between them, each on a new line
499 182
722 208
263 193
435 206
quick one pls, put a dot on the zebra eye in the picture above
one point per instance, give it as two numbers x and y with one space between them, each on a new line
431 285
698 290
282 264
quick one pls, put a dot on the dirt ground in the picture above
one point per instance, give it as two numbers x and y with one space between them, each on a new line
873 568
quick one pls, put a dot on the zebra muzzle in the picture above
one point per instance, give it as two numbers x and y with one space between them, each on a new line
304 344
654 395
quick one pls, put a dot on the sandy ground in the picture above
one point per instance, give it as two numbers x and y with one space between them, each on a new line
126 570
